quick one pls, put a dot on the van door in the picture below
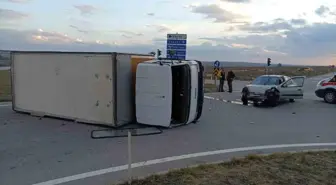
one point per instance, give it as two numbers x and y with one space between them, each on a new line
153 92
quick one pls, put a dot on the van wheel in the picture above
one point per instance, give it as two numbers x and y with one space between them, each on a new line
291 100
255 103
330 96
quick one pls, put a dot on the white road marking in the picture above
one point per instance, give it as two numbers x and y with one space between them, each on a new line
238 102
5 104
175 158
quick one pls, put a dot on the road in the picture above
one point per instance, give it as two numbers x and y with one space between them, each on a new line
34 150
309 89
4 68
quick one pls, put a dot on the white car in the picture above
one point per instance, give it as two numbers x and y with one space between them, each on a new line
271 89
326 89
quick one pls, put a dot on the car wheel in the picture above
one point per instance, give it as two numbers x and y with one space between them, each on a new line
244 96
255 103
330 97
272 99
244 100
291 100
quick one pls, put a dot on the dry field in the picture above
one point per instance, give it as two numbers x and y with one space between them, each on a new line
249 73
310 168
5 86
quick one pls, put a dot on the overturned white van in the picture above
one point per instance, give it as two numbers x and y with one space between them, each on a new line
111 89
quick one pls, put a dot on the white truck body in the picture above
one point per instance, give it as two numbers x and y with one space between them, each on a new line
93 88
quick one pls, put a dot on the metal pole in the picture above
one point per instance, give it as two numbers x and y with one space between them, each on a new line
129 157
266 70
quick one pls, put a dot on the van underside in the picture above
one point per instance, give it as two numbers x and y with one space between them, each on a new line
181 94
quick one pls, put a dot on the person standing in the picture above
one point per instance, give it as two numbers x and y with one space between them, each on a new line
230 77
221 80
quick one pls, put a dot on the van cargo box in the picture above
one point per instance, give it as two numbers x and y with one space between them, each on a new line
97 88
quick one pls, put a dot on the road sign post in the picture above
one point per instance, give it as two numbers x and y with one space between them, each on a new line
176 46
129 157
216 71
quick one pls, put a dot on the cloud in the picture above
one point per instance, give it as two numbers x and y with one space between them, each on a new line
322 10
160 28
150 14
50 41
305 42
16 1
85 9
79 29
312 43
130 34
215 12
236 1
298 22
264 27
10 15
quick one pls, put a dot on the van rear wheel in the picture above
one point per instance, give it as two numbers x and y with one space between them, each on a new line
330 96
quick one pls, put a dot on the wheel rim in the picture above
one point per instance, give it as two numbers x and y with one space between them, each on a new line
329 97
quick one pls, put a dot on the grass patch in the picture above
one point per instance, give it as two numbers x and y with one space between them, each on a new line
210 88
308 168
250 73
5 86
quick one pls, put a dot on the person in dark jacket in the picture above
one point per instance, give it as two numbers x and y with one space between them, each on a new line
229 78
221 80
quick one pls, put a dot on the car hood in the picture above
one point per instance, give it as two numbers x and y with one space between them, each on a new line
259 89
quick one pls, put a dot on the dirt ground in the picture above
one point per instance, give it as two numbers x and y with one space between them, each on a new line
309 168
5 86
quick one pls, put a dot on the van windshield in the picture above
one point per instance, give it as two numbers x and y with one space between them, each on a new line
267 80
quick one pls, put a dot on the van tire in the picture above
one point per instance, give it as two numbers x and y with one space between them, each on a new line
291 100
330 96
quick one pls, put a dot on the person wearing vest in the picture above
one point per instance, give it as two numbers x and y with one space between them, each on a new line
221 80
230 77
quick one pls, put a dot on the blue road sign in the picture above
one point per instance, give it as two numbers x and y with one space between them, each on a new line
216 64
176 46
177 57
177 53
182 42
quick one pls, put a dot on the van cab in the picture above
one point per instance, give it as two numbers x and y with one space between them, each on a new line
168 92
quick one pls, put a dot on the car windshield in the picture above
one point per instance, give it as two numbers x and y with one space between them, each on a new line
267 80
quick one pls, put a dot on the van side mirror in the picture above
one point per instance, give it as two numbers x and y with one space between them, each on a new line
284 85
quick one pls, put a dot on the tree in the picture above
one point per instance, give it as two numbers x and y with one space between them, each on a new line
279 65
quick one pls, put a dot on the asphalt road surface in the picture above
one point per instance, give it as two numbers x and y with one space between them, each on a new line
34 150
4 68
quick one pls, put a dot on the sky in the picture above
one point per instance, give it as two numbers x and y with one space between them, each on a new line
287 31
